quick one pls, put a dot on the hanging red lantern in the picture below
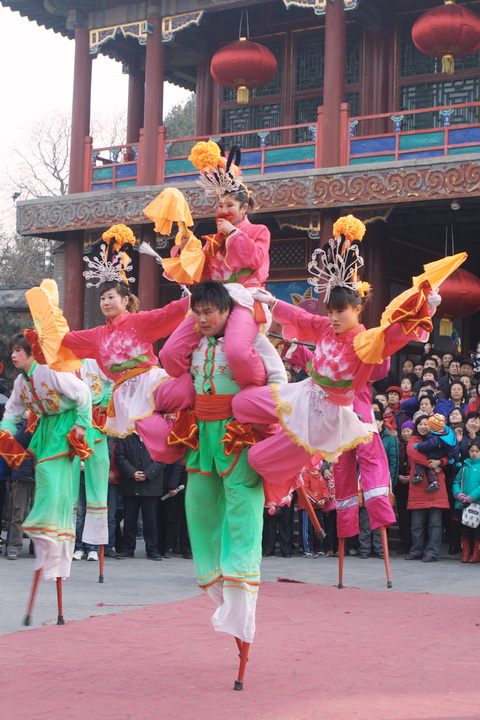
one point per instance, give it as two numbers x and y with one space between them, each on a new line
460 295
243 65
449 31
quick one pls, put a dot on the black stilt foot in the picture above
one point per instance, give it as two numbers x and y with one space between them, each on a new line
389 584
340 586
238 685
27 620
100 578
60 620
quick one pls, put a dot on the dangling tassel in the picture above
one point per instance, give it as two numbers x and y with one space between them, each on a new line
147 249
242 95
448 64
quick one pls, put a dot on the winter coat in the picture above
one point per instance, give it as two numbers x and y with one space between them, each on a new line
390 443
467 481
315 487
26 471
173 476
465 443
418 498
131 456
437 445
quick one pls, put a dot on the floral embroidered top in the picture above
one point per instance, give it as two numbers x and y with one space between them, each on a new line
243 259
335 366
47 392
126 341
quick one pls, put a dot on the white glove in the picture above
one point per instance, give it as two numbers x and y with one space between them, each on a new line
434 299
264 296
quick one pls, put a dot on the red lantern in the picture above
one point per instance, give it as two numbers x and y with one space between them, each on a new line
242 65
449 31
460 295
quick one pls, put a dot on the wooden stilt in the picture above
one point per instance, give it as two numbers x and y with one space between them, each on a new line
243 663
101 562
36 579
319 531
386 555
341 556
239 645
60 620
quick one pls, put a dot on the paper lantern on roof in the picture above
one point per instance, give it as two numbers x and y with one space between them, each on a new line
243 65
460 295
449 31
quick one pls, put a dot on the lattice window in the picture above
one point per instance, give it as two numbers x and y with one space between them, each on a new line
353 98
352 55
274 87
287 254
310 65
261 117
310 58
414 62
435 94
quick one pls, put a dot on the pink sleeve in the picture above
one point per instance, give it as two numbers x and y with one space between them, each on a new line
300 323
249 250
83 343
154 324
380 371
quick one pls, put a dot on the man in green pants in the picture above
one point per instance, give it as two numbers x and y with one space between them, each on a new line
225 499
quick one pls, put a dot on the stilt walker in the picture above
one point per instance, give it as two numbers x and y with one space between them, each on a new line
62 402
316 414
97 466
122 347
224 497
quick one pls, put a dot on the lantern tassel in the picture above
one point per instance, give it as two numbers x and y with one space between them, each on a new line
448 64
242 95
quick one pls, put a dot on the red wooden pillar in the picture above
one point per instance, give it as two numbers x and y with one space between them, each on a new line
334 82
376 271
204 95
149 275
136 100
378 72
82 81
74 290
74 265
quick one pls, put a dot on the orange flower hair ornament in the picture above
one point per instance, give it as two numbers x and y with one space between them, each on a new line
340 259
218 175
113 262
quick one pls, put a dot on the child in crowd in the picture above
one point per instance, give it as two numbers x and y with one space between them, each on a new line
465 490
329 511
401 488
317 492
406 386
475 358
441 442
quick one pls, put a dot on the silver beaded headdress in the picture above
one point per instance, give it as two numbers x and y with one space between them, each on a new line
113 262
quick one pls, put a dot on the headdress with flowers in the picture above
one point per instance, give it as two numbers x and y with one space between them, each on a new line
113 262
218 175
341 259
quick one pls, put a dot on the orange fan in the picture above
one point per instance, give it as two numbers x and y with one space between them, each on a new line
51 327
186 268
169 207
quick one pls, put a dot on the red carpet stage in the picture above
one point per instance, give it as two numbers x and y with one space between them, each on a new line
319 653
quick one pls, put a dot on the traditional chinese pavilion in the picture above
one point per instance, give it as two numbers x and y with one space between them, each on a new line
356 119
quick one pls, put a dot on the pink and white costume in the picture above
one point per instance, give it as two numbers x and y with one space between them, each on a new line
123 345
244 261
371 457
316 414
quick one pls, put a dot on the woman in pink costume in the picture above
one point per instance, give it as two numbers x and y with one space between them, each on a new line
123 348
237 256
370 456
317 415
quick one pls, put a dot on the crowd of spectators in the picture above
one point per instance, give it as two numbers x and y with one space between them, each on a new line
428 418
